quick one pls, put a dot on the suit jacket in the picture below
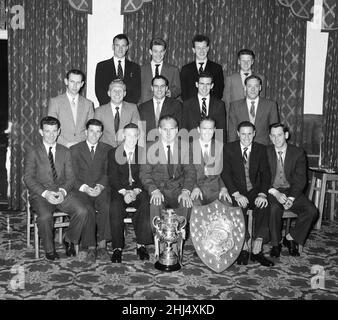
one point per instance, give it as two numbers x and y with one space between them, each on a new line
105 73
170 107
38 174
169 71
267 113
59 107
294 168
192 113
155 175
234 172
86 170
189 77
129 113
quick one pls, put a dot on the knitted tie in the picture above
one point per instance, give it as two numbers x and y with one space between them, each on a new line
157 72
245 155
130 177
117 120
252 109
201 67
204 108
119 70
280 158
92 153
170 165
51 161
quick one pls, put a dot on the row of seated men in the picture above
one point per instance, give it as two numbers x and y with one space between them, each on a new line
94 182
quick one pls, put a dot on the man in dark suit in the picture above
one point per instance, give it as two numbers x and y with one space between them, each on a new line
89 160
169 175
157 67
118 67
151 111
246 175
203 104
50 179
288 173
127 191
190 71
259 111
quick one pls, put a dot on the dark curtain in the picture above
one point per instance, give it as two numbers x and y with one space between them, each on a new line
53 41
270 29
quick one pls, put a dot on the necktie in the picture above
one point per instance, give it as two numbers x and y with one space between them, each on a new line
157 72
117 120
130 177
157 112
92 153
73 105
204 108
205 154
245 155
252 109
119 70
51 161
170 165
280 158
201 67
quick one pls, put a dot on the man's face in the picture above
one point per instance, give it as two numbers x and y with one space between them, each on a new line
120 48
246 135
201 50
168 130
93 134
245 61
252 88
159 89
206 130
74 84
157 53
204 85
131 136
278 137
116 93
49 133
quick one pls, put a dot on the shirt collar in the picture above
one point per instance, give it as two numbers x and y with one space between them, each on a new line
91 145
200 97
243 75
117 60
47 147
200 61
127 150
113 106
248 150
165 146
153 64
155 101
248 101
283 150
70 98
202 144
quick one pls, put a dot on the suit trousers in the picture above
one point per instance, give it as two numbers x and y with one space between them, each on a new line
72 206
306 215
140 219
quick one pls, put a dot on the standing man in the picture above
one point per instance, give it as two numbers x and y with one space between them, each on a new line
259 111
118 67
203 105
116 114
72 110
152 110
190 72
49 177
90 164
157 67
288 173
246 174
127 191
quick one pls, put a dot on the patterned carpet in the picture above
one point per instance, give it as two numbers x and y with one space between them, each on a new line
74 279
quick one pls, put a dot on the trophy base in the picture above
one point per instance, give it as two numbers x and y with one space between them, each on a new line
162 267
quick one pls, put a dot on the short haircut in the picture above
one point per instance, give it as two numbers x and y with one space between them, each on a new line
253 76
158 42
206 74
121 36
131 125
277 125
76 71
50 121
207 119
94 122
118 81
200 38
246 124
245 52
160 77
167 118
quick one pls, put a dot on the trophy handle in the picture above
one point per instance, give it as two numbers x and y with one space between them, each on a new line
157 249
155 223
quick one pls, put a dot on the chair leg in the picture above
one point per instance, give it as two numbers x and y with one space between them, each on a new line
250 226
288 223
36 239
28 228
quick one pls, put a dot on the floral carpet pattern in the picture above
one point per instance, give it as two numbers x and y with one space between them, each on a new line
74 279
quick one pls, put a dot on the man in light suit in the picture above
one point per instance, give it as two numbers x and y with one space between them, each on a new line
151 111
157 67
190 71
49 177
288 180
259 111
89 160
118 67
116 114
72 110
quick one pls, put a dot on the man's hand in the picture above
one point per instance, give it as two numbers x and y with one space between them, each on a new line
90 191
281 197
54 197
225 195
186 200
156 197
261 202
241 200
196 193
288 204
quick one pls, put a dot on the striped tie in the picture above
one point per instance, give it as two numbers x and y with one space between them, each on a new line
245 155
51 161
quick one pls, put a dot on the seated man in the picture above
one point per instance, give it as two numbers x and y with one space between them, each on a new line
127 191
246 174
49 177
208 162
89 160
288 173
169 175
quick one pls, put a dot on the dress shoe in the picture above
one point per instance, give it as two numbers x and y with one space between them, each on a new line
117 256
292 246
91 256
259 257
69 247
275 251
102 254
243 257
52 256
142 253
